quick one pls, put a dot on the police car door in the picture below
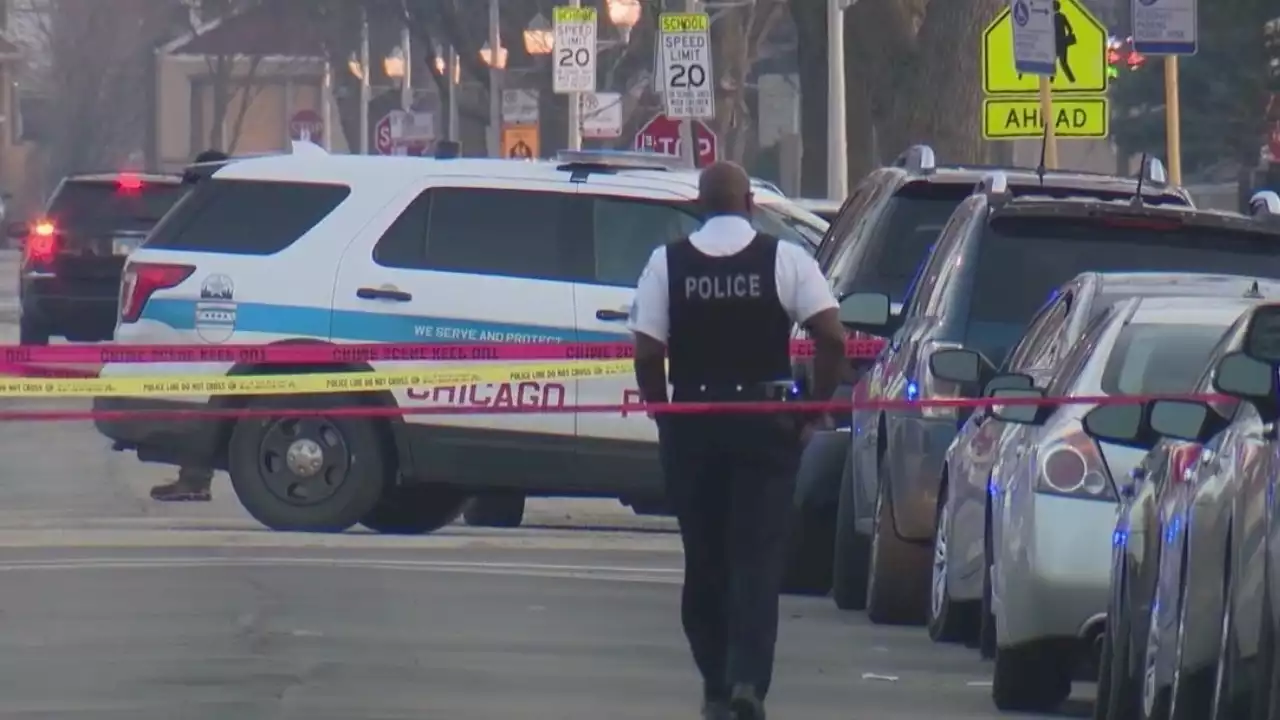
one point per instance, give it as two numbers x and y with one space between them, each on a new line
467 261
625 229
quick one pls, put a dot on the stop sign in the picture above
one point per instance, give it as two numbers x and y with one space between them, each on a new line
662 135
382 140
306 125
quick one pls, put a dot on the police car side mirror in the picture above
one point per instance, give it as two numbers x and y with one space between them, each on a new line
871 313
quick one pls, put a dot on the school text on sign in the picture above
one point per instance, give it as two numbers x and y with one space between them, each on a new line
574 55
684 49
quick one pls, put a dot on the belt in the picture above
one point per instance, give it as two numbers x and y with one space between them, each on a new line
779 391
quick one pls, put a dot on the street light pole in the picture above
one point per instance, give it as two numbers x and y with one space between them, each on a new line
495 77
575 105
364 82
688 141
837 132
406 80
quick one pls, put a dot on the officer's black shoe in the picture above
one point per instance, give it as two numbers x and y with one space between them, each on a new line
744 704
716 710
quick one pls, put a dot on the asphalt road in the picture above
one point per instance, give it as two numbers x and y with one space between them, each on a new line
112 606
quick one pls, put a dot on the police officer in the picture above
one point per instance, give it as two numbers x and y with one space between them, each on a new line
194 482
720 306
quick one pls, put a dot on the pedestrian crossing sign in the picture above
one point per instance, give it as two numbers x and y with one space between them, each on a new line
1082 54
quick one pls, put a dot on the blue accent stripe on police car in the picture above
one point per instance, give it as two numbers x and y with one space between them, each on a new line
359 326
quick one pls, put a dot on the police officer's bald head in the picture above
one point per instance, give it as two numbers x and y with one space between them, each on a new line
724 189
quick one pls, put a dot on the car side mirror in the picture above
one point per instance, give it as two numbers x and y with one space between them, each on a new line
1244 375
1184 420
871 313
1120 425
17 230
1028 407
1005 381
960 365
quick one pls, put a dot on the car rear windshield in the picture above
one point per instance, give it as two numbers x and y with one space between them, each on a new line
1159 358
1022 259
246 217
910 225
102 206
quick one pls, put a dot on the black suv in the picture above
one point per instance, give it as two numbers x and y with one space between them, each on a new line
997 262
74 254
876 244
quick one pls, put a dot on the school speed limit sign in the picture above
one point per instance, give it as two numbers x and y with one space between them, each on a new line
684 49
574 56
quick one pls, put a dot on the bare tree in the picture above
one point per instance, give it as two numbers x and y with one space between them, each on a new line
99 89
233 73
735 41
912 73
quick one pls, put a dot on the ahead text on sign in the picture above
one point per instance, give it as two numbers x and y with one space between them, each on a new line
1010 118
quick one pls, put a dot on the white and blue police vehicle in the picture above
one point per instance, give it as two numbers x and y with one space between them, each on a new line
309 247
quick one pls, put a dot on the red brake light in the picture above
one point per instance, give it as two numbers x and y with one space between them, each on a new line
142 280
128 182
42 243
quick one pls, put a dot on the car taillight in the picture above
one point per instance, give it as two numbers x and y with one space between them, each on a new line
42 243
1072 465
142 280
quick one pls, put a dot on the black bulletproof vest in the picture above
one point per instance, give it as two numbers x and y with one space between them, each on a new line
727 325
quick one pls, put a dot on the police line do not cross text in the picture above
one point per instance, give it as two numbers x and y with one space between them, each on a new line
684 44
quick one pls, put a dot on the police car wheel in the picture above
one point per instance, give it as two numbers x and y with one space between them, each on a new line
308 474
414 509
500 510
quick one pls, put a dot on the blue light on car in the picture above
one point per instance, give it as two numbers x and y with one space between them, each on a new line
1172 529
1119 537
913 391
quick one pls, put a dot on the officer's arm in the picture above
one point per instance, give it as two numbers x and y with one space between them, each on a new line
649 323
828 358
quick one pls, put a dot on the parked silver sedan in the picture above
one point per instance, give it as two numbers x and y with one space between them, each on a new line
958 589
1053 499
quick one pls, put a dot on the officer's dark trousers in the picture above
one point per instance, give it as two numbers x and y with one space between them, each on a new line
730 480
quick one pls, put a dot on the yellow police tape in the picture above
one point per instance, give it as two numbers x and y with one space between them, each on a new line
340 382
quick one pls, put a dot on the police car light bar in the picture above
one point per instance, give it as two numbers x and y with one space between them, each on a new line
1265 205
917 159
620 159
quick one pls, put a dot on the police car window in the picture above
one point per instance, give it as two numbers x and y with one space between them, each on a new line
246 217
496 232
404 243
911 223
626 232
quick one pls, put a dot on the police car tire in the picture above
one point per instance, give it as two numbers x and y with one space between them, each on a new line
414 509
498 510
354 499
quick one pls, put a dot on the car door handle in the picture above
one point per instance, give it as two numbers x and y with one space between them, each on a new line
612 315
383 294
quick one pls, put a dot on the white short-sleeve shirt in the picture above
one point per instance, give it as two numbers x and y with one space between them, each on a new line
802 289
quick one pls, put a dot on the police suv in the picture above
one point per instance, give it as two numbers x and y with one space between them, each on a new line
316 248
